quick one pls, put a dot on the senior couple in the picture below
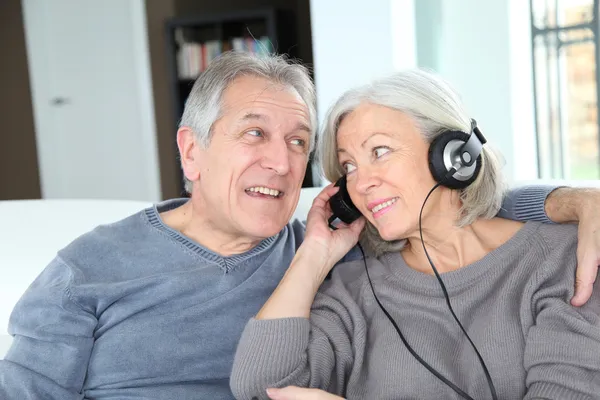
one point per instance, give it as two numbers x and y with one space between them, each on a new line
154 306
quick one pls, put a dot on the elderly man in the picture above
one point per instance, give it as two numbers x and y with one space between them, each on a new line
152 307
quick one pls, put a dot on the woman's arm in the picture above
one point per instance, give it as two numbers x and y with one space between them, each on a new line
287 343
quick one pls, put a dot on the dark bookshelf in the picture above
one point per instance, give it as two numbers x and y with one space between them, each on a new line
276 27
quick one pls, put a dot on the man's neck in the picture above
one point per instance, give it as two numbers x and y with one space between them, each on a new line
191 223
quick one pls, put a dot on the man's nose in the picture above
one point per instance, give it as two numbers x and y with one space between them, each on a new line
276 157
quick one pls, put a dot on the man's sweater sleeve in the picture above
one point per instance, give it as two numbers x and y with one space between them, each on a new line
317 353
52 341
562 347
526 203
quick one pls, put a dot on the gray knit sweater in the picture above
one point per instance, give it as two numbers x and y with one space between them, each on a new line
514 303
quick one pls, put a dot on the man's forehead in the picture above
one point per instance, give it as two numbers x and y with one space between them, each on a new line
247 90
301 124
264 110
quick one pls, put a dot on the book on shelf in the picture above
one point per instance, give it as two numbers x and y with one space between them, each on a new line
193 57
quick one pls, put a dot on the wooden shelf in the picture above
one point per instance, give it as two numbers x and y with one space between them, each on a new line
276 25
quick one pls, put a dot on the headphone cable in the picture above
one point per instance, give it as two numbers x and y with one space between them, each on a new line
441 282
445 292
408 347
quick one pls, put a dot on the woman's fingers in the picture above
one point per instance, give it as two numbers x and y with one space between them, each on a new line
296 393
323 198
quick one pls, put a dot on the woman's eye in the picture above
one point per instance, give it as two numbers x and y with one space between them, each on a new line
348 167
380 151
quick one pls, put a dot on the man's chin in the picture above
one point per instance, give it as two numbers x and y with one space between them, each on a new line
265 226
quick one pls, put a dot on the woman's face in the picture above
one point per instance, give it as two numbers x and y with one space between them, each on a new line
385 158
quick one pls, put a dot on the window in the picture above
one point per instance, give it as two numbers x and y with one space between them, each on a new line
565 74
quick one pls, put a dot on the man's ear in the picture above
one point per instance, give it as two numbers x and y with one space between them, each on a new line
188 152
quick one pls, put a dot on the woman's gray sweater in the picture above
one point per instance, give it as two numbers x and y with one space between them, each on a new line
514 303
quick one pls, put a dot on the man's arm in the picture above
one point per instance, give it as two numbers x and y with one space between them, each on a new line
527 203
556 204
53 340
581 205
563 205
567 204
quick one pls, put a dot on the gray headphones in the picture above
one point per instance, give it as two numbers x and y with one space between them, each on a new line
459 151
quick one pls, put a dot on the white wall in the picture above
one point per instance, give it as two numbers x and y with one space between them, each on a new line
483 48
355 41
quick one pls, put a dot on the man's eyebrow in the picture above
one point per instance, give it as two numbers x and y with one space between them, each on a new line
254 116
301 126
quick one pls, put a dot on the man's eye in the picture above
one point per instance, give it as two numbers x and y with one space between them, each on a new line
299 142
255 132
380 151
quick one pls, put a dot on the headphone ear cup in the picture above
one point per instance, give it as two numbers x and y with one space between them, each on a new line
438 167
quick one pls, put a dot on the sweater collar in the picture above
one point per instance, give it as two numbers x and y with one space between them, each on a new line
491 264
227 262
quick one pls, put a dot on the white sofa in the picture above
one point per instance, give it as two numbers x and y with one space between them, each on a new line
32 231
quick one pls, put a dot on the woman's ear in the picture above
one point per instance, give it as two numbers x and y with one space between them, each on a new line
188 152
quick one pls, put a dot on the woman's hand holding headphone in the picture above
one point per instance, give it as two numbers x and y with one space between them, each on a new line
326 245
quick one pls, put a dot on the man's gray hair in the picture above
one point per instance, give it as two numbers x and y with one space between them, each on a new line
435 108
203 106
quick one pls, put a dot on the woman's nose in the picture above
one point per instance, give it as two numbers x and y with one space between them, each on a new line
366 180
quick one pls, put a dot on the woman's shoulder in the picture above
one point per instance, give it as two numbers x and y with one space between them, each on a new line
559 238
553 255
535 236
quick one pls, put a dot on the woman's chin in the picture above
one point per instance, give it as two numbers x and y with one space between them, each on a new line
389 234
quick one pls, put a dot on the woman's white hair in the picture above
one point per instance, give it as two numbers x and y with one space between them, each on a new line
203 106
435 108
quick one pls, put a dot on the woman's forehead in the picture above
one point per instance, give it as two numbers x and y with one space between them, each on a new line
368 121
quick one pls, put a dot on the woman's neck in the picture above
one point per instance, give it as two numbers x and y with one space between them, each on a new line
450 247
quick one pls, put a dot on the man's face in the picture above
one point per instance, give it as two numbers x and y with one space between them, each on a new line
251 173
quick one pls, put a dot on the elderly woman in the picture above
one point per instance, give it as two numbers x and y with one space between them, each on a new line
385 326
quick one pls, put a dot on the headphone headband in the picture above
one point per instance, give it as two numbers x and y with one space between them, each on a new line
472 148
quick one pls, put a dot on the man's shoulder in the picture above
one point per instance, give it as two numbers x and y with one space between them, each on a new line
112 243
110 233
137 231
